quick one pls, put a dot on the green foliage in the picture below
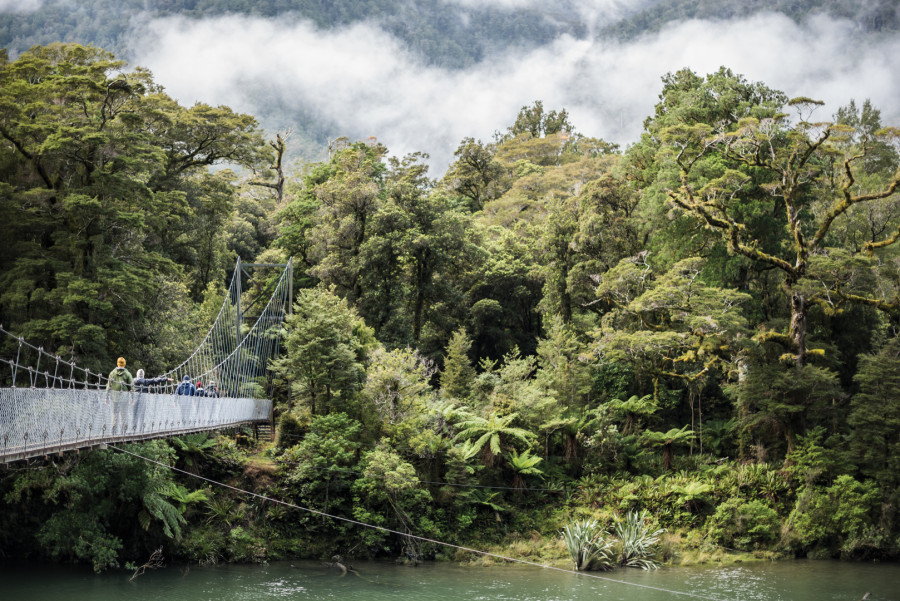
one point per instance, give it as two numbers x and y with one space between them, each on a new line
637 541
778 402
836 520
193 448
744 525
632 410
562 368
390 485
289 432
491 435
875 417
524 464
112 200
458 373
588 545
535 122
317 470
693 495
398 384
326 344
814 460
87 507
475 174
666 441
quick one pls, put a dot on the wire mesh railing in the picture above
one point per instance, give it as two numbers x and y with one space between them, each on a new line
41 421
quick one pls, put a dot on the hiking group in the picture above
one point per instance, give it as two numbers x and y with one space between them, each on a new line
120 379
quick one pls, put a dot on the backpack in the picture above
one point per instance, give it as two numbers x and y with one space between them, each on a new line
119 379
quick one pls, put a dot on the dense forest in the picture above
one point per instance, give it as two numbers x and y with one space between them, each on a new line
704 326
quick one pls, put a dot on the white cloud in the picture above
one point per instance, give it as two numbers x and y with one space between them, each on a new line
20 6
503 4
366 82
591 12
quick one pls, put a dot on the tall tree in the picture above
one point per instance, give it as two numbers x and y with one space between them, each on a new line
813 174
101 168
875 417
475 174
458 372
326 345
347 199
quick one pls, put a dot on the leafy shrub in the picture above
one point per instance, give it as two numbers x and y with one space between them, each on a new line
835 520
744 525
290 432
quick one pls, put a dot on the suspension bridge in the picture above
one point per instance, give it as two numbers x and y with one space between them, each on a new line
50 405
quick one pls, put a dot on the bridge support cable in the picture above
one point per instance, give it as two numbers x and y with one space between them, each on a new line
33 367
233 357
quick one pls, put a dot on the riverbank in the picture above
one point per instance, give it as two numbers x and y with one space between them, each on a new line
265 502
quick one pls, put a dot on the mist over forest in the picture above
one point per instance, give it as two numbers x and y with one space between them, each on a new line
421 76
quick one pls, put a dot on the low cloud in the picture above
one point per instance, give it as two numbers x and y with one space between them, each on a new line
20 6
592 12
367 84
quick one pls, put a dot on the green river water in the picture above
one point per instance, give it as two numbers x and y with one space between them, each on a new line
781 581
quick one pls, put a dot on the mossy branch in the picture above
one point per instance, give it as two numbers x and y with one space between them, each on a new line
773 336
849 200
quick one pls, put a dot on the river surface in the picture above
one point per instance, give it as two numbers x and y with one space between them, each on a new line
309 581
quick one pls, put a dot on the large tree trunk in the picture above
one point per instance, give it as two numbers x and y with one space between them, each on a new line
798 326
422 277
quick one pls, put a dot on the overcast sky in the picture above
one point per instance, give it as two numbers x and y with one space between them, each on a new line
365 81
19 6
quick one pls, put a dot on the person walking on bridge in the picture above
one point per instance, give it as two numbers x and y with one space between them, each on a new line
120 378
186 387
142 384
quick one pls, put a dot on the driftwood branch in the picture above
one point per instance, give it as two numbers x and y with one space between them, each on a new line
155 561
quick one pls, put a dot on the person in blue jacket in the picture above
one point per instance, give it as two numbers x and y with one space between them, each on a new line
186 388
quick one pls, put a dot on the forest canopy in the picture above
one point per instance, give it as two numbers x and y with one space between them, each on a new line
554 308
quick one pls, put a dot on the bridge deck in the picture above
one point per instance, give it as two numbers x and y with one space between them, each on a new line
37 421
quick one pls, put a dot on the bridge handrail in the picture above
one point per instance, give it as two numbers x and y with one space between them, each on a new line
34 371
40 421
236 381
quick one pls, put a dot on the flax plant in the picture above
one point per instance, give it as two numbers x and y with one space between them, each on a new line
636 541
587 543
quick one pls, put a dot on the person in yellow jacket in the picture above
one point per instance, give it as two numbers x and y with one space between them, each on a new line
120 378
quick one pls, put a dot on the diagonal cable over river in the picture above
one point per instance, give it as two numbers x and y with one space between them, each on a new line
413 536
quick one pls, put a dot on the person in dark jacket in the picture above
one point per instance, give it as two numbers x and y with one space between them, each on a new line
142 384
212 391
186 388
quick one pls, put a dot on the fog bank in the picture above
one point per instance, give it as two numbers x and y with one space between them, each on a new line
365 81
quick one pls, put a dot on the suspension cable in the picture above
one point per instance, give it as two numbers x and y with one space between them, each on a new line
413 536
